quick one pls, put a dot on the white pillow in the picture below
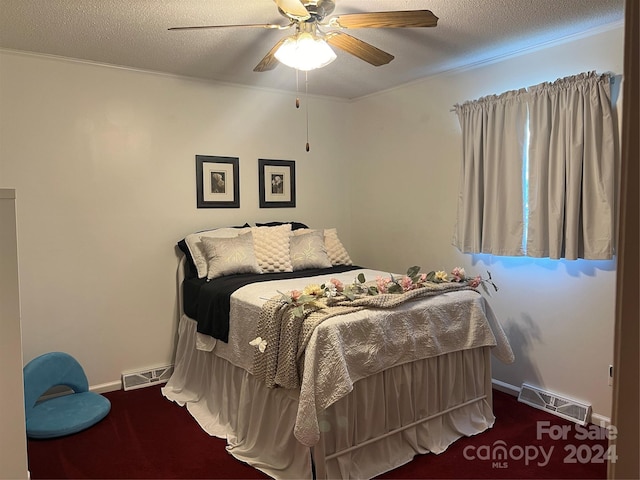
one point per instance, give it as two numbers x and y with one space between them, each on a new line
226 256
194 245
308 251
335 250
271 246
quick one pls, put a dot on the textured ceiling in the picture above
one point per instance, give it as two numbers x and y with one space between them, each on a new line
133 33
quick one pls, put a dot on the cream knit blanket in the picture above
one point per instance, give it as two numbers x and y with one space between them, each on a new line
287 335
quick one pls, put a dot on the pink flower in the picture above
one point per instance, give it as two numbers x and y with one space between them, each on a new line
295 295
338 284
476 281
407 284
382 283
458 274
423 278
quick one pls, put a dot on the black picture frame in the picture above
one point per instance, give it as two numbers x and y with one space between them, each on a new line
277 183
217 182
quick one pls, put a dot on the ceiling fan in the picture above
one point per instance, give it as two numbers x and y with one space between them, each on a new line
315 30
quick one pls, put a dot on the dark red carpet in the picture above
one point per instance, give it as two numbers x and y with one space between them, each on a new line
147 436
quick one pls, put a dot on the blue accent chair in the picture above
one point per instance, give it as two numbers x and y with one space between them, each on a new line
62 415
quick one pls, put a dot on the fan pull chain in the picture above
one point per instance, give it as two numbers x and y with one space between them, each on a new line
297 89
306 99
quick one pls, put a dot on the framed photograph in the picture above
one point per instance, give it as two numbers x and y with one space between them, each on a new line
217 182
277 183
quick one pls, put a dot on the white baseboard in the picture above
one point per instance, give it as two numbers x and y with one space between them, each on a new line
600 420
504 387
106 387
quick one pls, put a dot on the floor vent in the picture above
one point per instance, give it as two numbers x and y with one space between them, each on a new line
555 404
145 378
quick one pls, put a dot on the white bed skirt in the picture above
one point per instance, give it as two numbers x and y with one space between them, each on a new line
413 408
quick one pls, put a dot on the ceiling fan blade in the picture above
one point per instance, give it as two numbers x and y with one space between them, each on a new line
397 19
250 25
362 50
269 62
295 8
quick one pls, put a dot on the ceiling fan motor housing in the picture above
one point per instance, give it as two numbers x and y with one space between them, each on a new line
318 10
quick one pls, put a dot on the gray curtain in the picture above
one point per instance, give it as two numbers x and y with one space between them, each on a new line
490 215
571 169
544 158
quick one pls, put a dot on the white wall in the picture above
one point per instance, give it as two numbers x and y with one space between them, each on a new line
559 315
104 160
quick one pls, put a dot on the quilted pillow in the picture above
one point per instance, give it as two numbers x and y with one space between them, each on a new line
308 251
194 244
271 246
226 256
336 251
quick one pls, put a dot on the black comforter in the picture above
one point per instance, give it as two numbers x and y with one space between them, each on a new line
209 302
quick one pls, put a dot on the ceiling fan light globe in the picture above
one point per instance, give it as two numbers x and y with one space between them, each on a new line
305 52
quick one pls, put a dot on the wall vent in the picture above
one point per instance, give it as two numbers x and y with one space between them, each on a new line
555 404
145 378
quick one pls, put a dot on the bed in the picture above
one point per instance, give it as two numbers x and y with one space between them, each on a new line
374 387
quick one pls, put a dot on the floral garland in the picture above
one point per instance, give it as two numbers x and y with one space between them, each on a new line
308 298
